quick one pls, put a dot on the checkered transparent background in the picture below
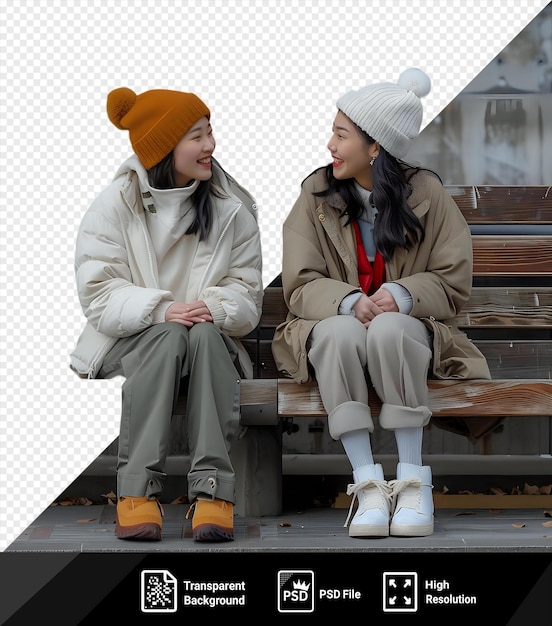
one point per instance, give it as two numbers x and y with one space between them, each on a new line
270 72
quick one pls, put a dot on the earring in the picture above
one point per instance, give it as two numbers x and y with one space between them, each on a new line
372 160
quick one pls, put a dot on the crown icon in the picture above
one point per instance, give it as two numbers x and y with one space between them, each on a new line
301 585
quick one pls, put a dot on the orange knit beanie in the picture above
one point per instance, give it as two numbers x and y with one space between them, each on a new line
156 120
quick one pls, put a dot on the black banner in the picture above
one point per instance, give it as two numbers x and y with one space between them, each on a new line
150 588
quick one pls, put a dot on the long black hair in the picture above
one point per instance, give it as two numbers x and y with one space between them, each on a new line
161 176
396 225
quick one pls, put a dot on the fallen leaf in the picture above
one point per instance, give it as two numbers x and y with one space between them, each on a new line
76 501
83 501
85 521
497 491
547 524
111 497
545 490
465 513
181 500
521 525
285 524
548 514
530 490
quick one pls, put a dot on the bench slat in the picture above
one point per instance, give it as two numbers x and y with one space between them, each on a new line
517 359
474 398
497 307
274 307
258 391
506 358
501 255
496 398
504 203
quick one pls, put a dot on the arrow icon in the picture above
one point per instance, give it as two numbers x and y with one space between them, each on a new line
400 592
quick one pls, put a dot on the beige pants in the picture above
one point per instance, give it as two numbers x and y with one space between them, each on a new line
394 353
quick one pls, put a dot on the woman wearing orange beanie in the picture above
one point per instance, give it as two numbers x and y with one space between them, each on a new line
169 276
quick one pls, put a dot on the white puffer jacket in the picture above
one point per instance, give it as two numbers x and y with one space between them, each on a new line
116 269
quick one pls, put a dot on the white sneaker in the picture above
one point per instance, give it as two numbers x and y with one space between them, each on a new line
374 500
412 501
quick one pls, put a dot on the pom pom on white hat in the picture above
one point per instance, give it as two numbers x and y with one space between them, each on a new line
390 113
413 79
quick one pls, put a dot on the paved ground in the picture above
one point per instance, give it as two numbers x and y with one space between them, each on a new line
91 529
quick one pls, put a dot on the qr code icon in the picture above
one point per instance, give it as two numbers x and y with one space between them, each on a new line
158 591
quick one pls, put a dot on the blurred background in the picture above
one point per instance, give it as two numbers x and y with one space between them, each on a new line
498 130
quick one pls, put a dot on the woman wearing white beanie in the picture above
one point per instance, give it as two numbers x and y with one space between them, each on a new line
377 261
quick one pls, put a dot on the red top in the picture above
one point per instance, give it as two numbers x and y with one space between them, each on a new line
370 275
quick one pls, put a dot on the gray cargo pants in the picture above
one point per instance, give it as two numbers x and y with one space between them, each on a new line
155 363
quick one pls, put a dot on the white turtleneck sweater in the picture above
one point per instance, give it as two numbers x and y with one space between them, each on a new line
167 222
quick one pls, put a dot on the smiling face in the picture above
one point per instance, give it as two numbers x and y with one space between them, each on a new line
350 151
192 154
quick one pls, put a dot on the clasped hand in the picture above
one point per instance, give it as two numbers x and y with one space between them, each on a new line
367 307
188 313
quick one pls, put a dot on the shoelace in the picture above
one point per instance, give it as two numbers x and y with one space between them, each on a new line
399 486
355 489
191 509
156 500
224 507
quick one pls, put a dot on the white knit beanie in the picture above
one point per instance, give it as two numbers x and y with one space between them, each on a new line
389 113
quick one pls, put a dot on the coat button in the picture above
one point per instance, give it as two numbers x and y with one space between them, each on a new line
321 217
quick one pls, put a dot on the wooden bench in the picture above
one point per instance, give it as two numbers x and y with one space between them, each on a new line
509 317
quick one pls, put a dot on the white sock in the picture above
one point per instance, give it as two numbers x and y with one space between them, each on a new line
409 445
358 447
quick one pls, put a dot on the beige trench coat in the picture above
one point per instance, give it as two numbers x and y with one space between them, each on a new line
320 268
